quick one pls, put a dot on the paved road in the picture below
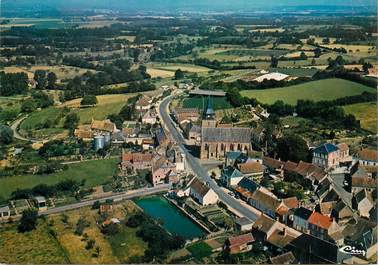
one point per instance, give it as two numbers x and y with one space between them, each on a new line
16 135
197 167
116 197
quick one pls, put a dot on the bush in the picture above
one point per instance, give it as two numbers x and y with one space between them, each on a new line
28 221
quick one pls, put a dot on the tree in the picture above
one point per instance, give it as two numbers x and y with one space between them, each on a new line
13 83
273 61
303 56
90 244
317 52
89 100
28 221
6 134
51 80
71 121
40 78
179 74
28 106
292 147
366 67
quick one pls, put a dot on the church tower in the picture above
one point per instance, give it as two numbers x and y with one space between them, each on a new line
208 117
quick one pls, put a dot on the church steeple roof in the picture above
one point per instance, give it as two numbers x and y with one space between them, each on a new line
209 111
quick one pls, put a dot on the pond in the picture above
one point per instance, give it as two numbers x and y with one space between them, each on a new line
174 221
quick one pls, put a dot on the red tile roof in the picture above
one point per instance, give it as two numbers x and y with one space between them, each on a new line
320 220
240 240
343 147
273 163
368 154
291 202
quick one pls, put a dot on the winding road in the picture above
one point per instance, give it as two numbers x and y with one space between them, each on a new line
197 168
16 135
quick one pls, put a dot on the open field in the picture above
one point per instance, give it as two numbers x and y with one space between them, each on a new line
153 72
327 89
37 246
184 67
107 104
94 172
366 113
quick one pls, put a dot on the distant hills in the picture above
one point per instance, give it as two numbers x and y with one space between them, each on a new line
13 8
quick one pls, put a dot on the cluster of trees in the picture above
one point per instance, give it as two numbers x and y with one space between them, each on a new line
89 100
115 72
38 99
292 147
326 112
58 148
159 241
13 83
48 191
45 79
6 134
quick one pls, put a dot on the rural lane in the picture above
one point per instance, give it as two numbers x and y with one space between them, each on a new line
115 197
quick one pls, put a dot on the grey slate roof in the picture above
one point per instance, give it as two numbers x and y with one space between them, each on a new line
326 148
230 135
303 213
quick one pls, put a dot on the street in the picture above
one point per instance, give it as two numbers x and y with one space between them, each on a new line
116 197
196 167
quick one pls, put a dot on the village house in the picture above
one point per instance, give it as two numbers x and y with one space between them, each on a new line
363 177
150 117
251 169
367 157
243 224
202 193
239 244
99 127
230 176
5 213
188 115
273 166
143 104
136 161
40 203
192 132
84 132
322 226
344 155
341 212
300 219
163 171
363 202
265 202
246 187
326 156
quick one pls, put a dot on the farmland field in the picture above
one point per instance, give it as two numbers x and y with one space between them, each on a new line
153 72
327 89
94 172
366 113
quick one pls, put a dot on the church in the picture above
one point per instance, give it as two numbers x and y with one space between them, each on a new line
216 140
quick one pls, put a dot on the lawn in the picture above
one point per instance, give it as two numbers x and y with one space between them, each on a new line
366 113
197 102
200 250
35 247
327 89
94 172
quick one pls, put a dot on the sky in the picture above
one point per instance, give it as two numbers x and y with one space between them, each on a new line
170 5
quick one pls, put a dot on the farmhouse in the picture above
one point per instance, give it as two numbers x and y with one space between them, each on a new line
230 176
